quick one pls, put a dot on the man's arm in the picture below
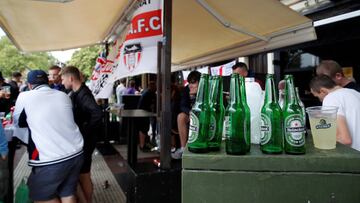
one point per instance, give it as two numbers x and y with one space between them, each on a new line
342 131
185 100
90 106
19 111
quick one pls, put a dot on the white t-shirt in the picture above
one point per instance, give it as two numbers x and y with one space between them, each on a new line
54 136
120 89
348 102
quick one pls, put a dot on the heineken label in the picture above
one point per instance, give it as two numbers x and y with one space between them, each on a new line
323 125
227 127
294 130
194 128
265 129
212 127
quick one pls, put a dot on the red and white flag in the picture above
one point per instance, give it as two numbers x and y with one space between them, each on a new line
223 70
137 54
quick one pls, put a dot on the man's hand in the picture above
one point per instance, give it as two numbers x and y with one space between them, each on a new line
3 157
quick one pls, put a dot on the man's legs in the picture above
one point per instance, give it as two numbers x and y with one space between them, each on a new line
50 201
142 138
182 120
47 183
70 199
86 186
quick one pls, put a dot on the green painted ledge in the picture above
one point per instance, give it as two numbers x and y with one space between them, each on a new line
343 159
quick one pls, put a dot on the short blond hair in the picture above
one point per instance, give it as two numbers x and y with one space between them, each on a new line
329 68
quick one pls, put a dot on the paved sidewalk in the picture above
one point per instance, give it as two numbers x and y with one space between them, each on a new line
100 173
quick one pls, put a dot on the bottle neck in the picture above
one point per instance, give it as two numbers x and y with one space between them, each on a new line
290 95
234 89
270 93
242 89
297 94
203 89
217 91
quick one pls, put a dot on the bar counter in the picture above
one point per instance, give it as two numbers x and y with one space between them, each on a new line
317 176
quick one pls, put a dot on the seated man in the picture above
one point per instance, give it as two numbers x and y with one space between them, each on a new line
147 102
243 70
348 102
188 96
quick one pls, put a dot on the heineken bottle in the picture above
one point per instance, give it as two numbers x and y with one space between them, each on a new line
271 120
247 128
216 114
234 121
293 120
301 105
199 118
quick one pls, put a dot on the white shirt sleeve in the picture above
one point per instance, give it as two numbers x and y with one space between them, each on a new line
19 107
21 133
332 100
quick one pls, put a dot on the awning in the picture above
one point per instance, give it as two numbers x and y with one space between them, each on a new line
200 38
43 25
204 31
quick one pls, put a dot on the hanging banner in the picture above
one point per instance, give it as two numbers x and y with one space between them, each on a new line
103 78
97 79
223 70
136 55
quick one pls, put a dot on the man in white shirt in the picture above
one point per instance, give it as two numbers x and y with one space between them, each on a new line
348 103
120 90
55 144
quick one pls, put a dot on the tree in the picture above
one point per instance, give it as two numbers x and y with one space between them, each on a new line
85 59
11 59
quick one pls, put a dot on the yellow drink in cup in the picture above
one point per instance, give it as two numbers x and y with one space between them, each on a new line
323 126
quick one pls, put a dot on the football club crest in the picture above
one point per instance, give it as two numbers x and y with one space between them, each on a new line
132 56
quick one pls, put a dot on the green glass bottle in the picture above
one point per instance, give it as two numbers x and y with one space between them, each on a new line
247 128
271 120
234 121
211 81
217 112
199 118
294 124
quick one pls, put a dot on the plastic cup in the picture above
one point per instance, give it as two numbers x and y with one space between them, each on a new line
323 126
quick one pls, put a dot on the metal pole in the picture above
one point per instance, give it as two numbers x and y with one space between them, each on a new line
105 105
158 83
165 139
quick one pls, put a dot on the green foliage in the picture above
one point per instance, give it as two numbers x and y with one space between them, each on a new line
11 59
85 59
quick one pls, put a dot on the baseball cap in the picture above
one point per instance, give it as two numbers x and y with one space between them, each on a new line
37 77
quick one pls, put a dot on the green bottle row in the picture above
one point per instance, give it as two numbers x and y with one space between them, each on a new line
281 129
